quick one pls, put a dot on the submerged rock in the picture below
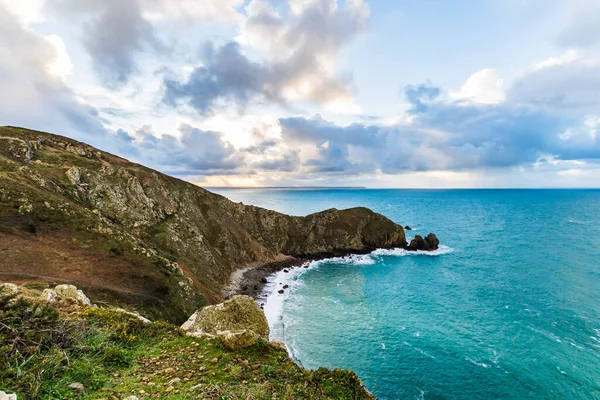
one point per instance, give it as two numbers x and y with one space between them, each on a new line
236 314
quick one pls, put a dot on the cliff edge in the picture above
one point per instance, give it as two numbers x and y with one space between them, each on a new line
126 234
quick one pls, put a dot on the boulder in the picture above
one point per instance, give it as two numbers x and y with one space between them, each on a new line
429 243
418 243
236 314
77 387
4 396
407 228
278 345
9 289
433 241
235 340
48 295
133 314
71 292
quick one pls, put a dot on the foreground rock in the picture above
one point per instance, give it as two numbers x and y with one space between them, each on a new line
429 243
67 292
5 396
238 323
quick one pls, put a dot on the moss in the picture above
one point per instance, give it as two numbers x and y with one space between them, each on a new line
114 354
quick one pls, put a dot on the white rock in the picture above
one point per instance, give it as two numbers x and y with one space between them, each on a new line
71 291
4 396
74 175
135 314
48 295
131 398
77 387
9 288
174 380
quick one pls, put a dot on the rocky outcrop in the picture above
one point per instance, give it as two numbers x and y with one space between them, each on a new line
125 233
70 292
429 243
237 323
237 313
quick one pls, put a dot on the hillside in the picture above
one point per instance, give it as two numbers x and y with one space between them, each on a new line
129 235
65 350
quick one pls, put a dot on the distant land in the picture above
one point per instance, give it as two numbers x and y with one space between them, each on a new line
285 187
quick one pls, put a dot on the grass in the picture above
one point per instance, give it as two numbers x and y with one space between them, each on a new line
44 348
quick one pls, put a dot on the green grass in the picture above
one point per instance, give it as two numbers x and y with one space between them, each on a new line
44 348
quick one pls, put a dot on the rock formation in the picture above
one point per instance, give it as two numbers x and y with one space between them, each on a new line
125 233
237 323
429 243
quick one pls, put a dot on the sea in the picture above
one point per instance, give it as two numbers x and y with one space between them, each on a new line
507 308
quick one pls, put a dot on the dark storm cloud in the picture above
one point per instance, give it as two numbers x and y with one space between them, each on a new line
227 75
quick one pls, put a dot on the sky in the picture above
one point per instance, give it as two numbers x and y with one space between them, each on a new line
375 93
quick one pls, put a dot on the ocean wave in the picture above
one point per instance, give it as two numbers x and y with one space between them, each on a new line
402 252
573 221
477 361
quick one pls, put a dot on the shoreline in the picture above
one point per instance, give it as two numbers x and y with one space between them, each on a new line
251 280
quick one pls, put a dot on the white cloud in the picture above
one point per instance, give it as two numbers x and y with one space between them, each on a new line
225 11
61 65
483 87
27 11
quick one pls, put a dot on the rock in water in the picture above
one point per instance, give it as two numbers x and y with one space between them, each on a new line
433 241
418 243
236 314
407 228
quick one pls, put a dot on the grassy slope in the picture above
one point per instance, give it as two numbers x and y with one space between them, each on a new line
44 348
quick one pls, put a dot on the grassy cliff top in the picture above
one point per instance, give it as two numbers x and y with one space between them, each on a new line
47 347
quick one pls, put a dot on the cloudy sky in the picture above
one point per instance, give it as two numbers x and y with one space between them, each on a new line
377 93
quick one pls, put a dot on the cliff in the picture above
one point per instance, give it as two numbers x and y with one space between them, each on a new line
126 234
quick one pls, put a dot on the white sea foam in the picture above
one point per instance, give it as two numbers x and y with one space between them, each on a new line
477 362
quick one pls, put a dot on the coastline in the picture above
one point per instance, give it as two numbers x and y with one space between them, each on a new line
251 279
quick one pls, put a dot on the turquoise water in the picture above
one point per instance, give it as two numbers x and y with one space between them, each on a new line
509 309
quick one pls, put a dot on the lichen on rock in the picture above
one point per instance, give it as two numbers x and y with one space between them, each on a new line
71 292
238 322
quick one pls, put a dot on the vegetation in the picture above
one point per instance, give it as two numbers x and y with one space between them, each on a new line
45 347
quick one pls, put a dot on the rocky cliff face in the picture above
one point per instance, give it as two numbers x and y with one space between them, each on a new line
72 213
